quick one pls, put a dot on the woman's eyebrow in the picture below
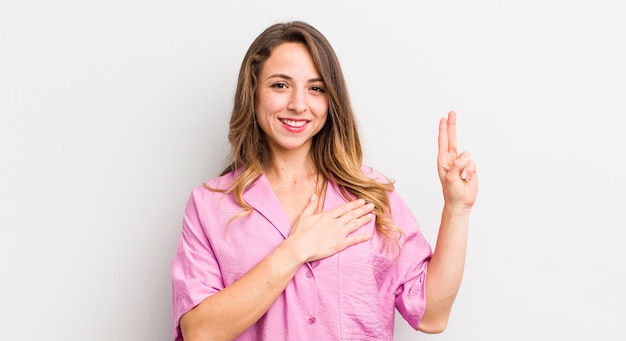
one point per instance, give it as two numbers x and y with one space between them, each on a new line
279 75
284 76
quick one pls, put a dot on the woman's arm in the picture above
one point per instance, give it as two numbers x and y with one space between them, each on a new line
457 173
228 313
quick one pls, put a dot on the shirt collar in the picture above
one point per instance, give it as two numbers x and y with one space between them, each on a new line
262 198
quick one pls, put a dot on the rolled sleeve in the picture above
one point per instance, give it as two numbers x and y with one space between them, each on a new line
195 271
411 295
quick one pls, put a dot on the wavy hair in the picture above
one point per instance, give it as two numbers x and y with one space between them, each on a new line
336 149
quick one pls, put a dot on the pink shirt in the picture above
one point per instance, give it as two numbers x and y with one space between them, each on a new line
348 296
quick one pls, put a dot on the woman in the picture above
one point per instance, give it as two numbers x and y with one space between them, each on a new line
297 240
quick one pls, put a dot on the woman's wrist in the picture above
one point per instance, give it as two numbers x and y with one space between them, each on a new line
459 210
292 251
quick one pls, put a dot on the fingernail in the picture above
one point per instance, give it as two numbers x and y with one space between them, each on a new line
464 175
313 197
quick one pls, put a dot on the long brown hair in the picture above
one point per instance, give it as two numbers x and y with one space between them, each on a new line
336 149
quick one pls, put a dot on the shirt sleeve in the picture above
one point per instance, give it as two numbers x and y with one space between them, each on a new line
412 263
195 271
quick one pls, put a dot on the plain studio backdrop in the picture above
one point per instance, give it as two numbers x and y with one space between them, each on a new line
111 112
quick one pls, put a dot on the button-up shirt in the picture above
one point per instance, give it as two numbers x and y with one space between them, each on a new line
351 295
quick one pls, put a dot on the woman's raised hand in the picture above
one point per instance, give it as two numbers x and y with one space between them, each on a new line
457 172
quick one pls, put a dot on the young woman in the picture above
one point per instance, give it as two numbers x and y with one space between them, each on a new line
297 239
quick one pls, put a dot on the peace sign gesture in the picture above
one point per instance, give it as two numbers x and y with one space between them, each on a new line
457 172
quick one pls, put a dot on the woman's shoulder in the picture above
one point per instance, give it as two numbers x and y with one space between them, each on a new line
222 182
217 185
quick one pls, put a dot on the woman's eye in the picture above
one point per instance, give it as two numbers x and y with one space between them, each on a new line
318 89
279 85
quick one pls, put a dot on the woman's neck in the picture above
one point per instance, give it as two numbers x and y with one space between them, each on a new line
285 172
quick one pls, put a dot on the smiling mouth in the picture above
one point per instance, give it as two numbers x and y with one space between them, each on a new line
292 123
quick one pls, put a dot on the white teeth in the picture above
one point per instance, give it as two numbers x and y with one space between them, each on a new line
291 123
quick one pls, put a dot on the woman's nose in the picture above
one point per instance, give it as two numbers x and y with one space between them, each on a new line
297 102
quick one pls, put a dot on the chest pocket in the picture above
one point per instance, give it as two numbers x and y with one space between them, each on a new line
363 309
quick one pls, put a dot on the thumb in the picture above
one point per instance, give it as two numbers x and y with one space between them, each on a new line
461 162
456 169
308 211
310 207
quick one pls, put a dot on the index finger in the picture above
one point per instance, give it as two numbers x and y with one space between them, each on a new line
447 134
345 208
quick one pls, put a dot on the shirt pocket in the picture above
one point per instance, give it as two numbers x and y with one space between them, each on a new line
361 314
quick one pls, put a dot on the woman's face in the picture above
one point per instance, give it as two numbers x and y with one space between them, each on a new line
291 101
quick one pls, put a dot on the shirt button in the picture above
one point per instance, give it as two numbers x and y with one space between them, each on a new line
309 274
311 320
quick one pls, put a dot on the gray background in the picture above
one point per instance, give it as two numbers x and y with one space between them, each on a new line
112 111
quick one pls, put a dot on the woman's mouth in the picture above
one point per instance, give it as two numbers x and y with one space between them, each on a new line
293 123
